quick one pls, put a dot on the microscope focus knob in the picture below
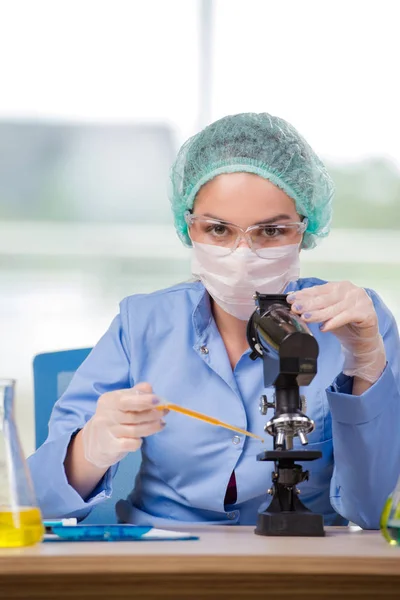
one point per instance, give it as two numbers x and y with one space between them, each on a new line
265 405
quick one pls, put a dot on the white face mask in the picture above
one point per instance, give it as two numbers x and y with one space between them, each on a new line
231 280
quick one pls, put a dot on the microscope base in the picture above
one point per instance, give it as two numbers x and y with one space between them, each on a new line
290 524
286 515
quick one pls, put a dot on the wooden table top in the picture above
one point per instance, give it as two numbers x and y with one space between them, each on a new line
221 553
219 548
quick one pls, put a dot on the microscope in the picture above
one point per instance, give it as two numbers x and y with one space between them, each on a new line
289 352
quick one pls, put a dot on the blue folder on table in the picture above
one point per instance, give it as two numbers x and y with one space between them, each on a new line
114 533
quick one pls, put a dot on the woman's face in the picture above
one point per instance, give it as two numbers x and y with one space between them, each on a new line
244 199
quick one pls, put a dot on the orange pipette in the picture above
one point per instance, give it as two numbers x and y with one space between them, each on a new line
206 418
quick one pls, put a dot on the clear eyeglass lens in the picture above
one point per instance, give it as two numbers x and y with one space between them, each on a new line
268 236
229 236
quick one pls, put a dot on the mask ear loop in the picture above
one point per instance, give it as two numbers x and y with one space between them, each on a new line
186 216
304 220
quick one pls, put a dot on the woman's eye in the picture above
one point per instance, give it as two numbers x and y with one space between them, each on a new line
217 229
271 231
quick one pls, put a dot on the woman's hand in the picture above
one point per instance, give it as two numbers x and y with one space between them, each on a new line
121 420
348 312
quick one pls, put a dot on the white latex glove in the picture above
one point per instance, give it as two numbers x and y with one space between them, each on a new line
121 420
348 312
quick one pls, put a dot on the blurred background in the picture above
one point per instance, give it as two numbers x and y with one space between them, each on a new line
97 95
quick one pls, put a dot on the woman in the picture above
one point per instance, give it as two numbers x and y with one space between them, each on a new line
248 194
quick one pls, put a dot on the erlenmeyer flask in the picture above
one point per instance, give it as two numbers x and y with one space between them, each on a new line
20 518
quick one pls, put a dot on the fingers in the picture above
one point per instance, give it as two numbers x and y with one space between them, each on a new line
324 314
136 417
334 304
137 399
142 387
138 431
128 401
320 290
315 298
311 303
121 421
129 444
336 321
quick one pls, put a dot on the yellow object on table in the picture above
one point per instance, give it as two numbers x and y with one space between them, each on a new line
20 517
390 518
21 526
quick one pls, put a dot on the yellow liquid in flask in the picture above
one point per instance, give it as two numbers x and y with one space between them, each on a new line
22 527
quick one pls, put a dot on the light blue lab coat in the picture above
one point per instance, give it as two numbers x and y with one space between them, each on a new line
169 339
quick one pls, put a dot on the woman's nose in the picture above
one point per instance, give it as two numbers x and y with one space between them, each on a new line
243 243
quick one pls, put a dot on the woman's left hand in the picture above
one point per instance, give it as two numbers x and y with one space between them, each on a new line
348 312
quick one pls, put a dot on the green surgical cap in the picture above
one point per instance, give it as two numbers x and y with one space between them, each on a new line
254 143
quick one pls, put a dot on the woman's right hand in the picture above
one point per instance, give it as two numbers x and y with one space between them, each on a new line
122 419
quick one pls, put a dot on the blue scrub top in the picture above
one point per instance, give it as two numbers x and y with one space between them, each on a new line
169 339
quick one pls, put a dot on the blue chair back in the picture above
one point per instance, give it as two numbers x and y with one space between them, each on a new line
52 373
